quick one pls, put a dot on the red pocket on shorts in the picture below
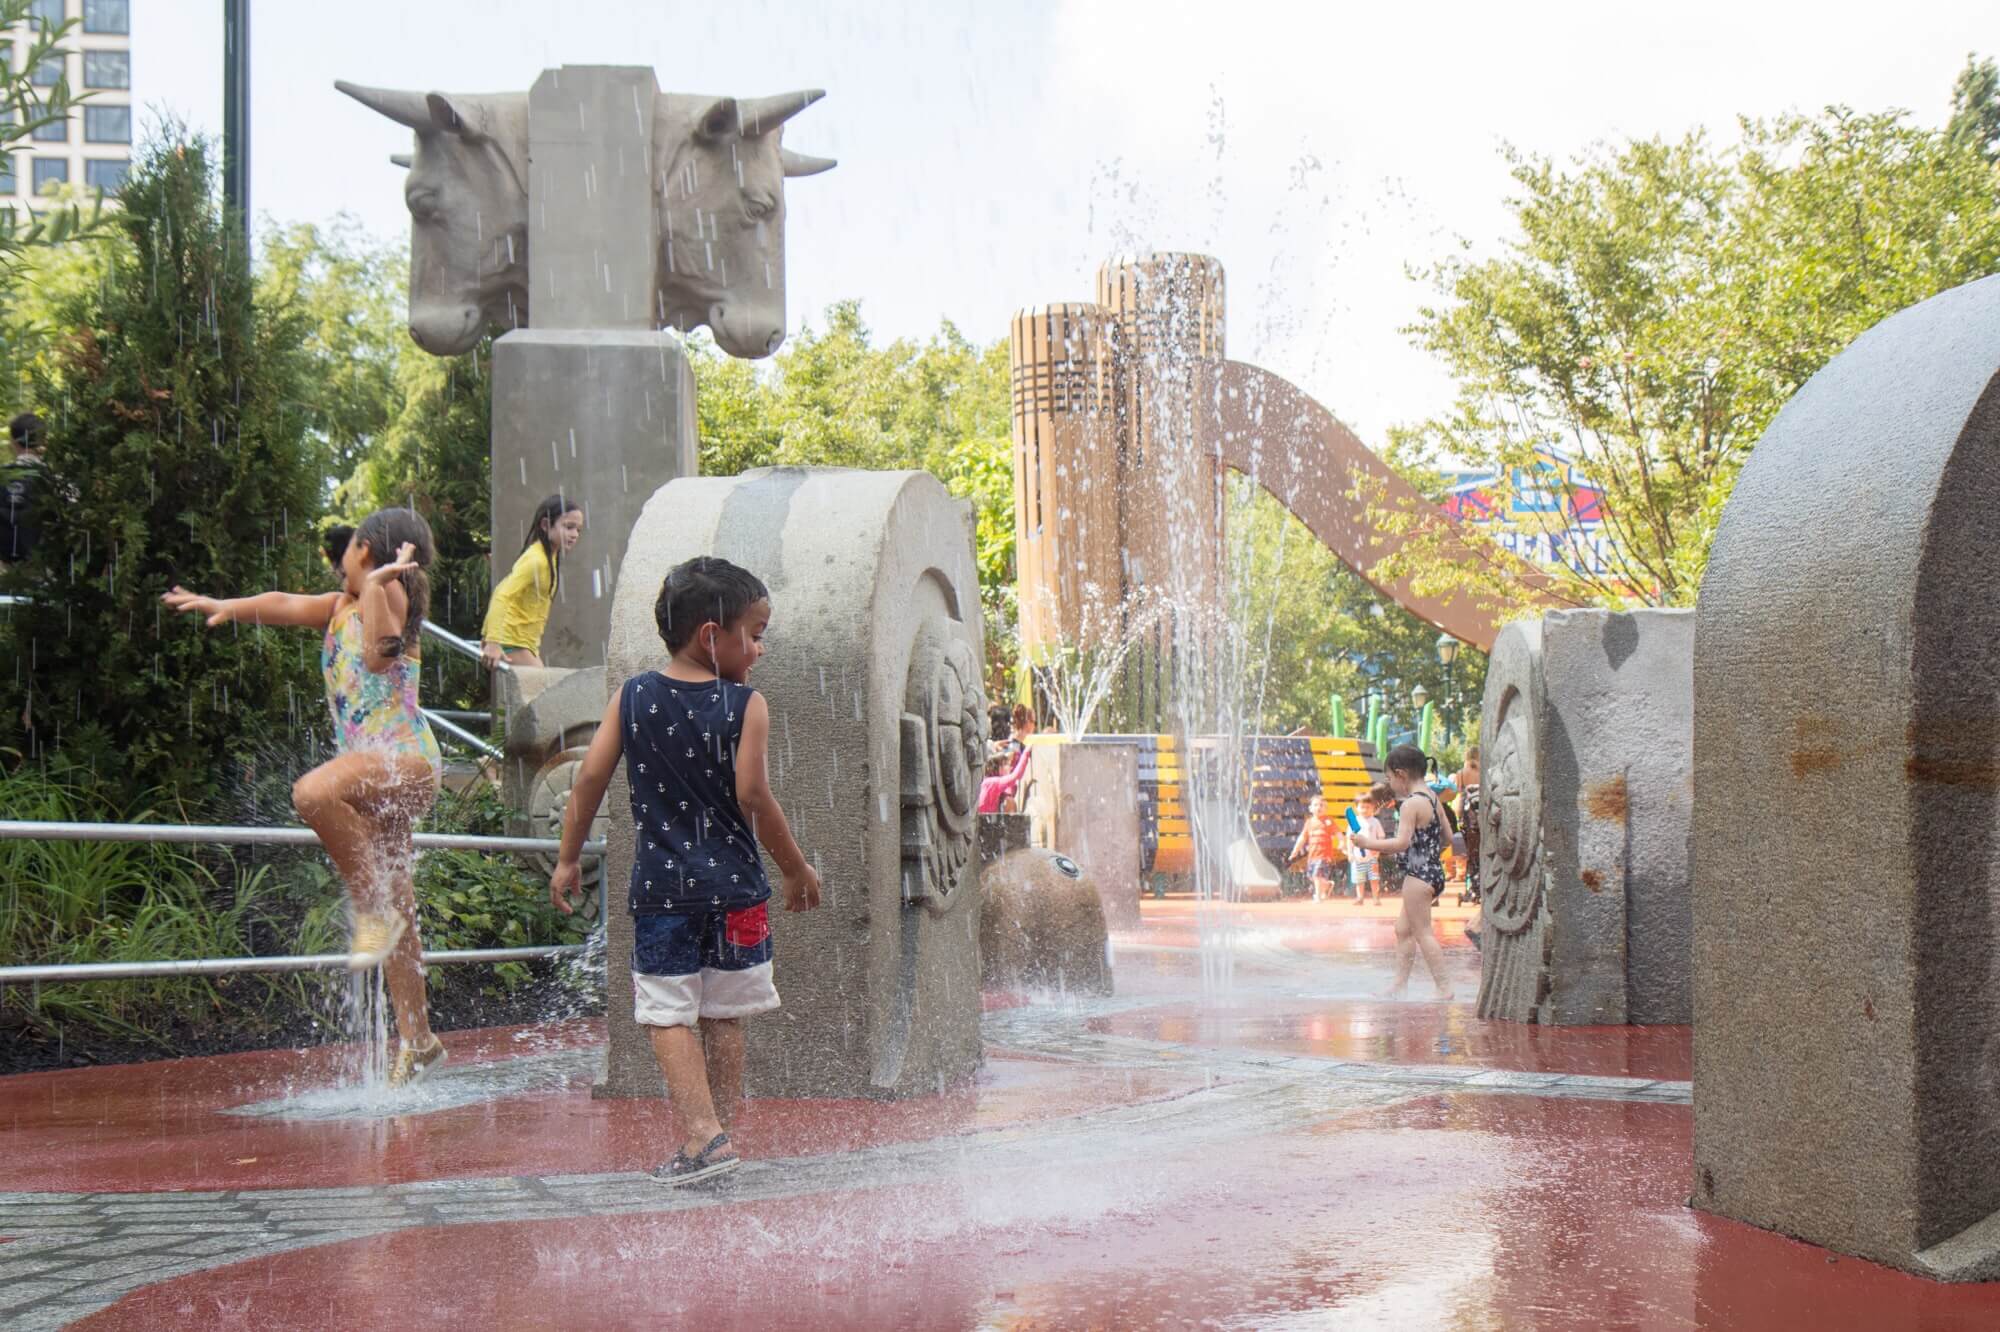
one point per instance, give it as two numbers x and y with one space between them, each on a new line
749 927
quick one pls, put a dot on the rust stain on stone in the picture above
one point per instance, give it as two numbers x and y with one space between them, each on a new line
1868 1009
1594 880
1606 800
1953 772
1806 762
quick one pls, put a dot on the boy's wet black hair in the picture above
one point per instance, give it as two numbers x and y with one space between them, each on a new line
334 543
1408 760
702 589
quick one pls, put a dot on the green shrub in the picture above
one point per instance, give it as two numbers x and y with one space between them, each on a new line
77 902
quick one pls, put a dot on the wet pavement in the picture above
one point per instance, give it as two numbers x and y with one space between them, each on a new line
1281 1151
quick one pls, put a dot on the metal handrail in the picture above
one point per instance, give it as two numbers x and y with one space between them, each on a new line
239 835
63 973
459 733
51 831
462 715
452 640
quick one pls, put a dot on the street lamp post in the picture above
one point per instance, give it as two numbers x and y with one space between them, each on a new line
1447 648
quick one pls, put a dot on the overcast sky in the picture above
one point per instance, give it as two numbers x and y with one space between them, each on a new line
992 154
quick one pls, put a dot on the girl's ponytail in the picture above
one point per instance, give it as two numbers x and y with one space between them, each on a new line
387 531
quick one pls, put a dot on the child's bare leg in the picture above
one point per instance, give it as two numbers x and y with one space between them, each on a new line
685 1068
1417 910
722 1046
1406 954
326 799
403 972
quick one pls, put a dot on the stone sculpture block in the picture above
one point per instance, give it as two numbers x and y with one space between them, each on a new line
1083 801
1847 805
604 417
645 209
877 744
1587 809
1042 925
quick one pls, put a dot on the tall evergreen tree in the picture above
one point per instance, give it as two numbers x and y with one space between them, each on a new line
1975 108
183 455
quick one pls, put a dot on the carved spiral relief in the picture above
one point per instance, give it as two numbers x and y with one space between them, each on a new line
943 752
1511 798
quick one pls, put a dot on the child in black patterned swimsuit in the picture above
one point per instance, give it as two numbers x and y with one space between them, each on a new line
1419 839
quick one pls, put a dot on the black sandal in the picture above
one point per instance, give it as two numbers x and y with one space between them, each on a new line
685 1169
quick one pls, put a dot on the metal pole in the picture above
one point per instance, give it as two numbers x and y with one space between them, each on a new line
37 829
236 112
451 639
453 729
229 966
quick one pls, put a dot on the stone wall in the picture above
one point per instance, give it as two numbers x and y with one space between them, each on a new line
1587 807
1847 766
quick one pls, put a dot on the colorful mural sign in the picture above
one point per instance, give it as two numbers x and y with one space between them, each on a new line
1548 513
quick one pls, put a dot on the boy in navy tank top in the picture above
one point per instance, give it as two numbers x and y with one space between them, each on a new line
693 740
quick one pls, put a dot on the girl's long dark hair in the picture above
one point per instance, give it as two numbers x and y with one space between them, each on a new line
546 515
385 531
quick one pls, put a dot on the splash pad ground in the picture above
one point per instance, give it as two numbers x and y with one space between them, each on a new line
1288 1154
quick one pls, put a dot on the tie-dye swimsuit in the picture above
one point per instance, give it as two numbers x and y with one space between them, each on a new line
371 710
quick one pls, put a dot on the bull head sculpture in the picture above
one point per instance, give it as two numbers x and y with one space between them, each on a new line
721 197
467 192
719 184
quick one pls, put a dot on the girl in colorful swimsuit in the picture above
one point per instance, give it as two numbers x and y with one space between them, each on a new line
365 800
1419 840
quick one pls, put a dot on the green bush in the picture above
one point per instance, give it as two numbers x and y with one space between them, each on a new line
76 902
173 404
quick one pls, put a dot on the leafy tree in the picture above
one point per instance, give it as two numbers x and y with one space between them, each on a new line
433 455
23 109
831 398
349 290
1660 303
1312 628
1975 109
174 425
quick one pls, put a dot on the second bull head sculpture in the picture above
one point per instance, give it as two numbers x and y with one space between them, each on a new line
719 172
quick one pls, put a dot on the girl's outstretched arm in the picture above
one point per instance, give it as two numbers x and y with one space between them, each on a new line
282 608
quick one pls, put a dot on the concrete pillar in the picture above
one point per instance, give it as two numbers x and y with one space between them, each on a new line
1847 808
1083 801
591 402
877 745
1586 808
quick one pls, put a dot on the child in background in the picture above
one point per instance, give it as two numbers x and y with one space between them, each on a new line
519 610
1364 866
1419 839
365 800
1001 780
694 739
1317 840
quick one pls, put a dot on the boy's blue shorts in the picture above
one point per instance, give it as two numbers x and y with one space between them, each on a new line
711 963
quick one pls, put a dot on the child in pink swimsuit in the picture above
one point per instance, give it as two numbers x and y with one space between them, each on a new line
365 800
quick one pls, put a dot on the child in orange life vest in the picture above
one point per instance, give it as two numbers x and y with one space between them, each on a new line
1318 840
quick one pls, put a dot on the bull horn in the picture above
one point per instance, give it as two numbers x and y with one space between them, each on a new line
405 108
759 114
400 159
804 164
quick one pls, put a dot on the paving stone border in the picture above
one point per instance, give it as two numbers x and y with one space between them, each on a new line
75 1253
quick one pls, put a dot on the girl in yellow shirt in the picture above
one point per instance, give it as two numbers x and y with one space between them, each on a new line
519 610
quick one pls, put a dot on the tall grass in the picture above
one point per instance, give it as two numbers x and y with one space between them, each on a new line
75 902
